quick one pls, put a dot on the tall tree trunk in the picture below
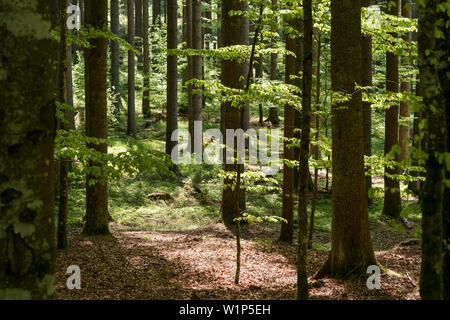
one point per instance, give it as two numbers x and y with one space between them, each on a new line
172 73
351 247
366 81
27 126
207 29
273 111
61 240
302 248
392 201
316 137
96 118
232 72
197 97
146 60
139 29
405 87
190 66
287 229
131 124
115 56
434 96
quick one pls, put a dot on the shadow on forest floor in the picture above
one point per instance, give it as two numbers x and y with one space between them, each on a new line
200 264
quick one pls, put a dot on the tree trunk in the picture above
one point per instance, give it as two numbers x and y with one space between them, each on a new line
61 240
115 56
236 28
27 125
197 97
131 124
302 249
96 118
434 103
405 87
172 82
287 229
139 29
351 247
392 201
366 81
273 111
156 12
146 60
190 66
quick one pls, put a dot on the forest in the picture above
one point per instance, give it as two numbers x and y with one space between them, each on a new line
225 150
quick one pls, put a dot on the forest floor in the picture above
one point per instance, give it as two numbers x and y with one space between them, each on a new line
167 241
200 264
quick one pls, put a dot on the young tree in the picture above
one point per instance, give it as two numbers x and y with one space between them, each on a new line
131 124
146 60
172 82
392 202
434 89
115 56
27 124
96 221
234 32
351 247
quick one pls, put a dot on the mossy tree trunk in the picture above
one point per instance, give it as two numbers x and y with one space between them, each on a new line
96 221
351 246
434 81
27 129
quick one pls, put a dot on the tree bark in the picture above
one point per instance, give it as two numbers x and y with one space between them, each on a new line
139 29
156 12
435 144
61 240
366 81
172 82
131 124
351 247
273 111
197 74
27 128
287 229
96 221
392 201
302 248
236 28
115 56
405 87
146 61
